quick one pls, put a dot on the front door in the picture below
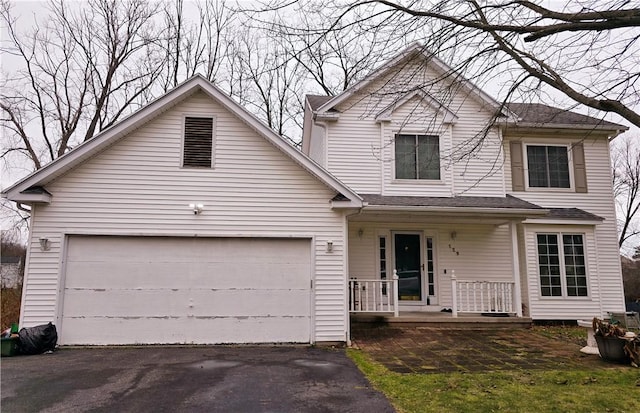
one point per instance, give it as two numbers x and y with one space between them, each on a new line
408 261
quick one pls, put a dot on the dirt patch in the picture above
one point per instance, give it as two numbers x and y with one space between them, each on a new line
433 350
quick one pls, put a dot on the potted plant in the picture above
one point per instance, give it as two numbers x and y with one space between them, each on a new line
616 344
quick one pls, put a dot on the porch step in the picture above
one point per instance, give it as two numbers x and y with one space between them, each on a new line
440 320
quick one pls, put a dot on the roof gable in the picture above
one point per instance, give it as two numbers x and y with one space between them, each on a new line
19 191
416 50
448 115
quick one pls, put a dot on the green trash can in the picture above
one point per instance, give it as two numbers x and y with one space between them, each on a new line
9 346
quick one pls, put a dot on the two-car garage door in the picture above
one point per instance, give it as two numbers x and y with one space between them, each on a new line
128 290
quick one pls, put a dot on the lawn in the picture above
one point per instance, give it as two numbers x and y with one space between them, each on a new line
582 389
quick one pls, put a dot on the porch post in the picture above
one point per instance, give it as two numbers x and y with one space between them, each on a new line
396 310
454 294
516 268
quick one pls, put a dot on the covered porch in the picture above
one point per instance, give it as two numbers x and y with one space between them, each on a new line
437 260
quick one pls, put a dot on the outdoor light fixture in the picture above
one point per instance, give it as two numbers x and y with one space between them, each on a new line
329 246
45 244
197 208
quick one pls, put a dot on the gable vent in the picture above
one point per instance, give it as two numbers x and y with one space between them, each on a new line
198 142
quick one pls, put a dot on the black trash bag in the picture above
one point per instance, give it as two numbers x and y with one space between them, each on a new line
38 339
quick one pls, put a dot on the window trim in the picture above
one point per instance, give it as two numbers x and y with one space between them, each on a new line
563 271
213 139
525 167
417 180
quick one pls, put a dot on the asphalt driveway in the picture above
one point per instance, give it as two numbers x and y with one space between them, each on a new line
194 379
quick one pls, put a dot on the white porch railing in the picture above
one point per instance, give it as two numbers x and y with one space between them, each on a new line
482 296
373 296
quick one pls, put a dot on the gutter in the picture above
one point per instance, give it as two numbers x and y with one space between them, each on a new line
456 210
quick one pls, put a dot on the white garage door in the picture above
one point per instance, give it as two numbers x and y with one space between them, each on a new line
129 290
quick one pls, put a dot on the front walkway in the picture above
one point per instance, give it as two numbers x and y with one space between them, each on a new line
439 350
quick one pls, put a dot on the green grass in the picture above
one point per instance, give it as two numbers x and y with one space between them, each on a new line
597 390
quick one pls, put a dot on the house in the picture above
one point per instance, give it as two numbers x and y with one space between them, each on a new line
10 271
479 207
192 222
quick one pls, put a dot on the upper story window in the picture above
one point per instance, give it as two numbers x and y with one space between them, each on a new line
198 142
417 157
548 166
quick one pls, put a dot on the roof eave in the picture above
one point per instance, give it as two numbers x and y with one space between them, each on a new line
519 212
568 126
564 221
28 198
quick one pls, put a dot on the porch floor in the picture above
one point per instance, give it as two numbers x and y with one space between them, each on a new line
439 319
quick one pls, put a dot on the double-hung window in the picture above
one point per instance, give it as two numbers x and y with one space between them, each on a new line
417 156
561 265
548 166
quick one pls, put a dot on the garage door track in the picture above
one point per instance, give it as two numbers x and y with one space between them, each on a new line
194 379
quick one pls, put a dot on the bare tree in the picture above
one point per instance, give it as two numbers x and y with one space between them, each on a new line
266 81
586 51
196 45
626 186
83 68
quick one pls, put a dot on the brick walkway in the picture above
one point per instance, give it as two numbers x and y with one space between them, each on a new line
433 350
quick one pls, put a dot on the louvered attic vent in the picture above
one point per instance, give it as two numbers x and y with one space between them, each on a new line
198 142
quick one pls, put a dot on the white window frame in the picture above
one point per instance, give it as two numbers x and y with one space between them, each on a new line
183 136
563 271
393 156
525 162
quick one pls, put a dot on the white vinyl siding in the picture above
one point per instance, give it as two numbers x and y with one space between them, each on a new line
564 307
360 151
135 188
604 262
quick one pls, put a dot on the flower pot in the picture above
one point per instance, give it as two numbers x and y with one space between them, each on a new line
612 349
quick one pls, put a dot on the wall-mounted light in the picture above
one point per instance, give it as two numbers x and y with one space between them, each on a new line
197 208
329 246
360 233
45 244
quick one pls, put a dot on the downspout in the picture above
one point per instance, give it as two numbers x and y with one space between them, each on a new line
325 147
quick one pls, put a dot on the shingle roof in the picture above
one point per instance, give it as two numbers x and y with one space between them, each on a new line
537 113
315 101
508 202
573 213
530 113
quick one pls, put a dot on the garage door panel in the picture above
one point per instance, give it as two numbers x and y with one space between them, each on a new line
100 275
107 331
185 304
168 283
